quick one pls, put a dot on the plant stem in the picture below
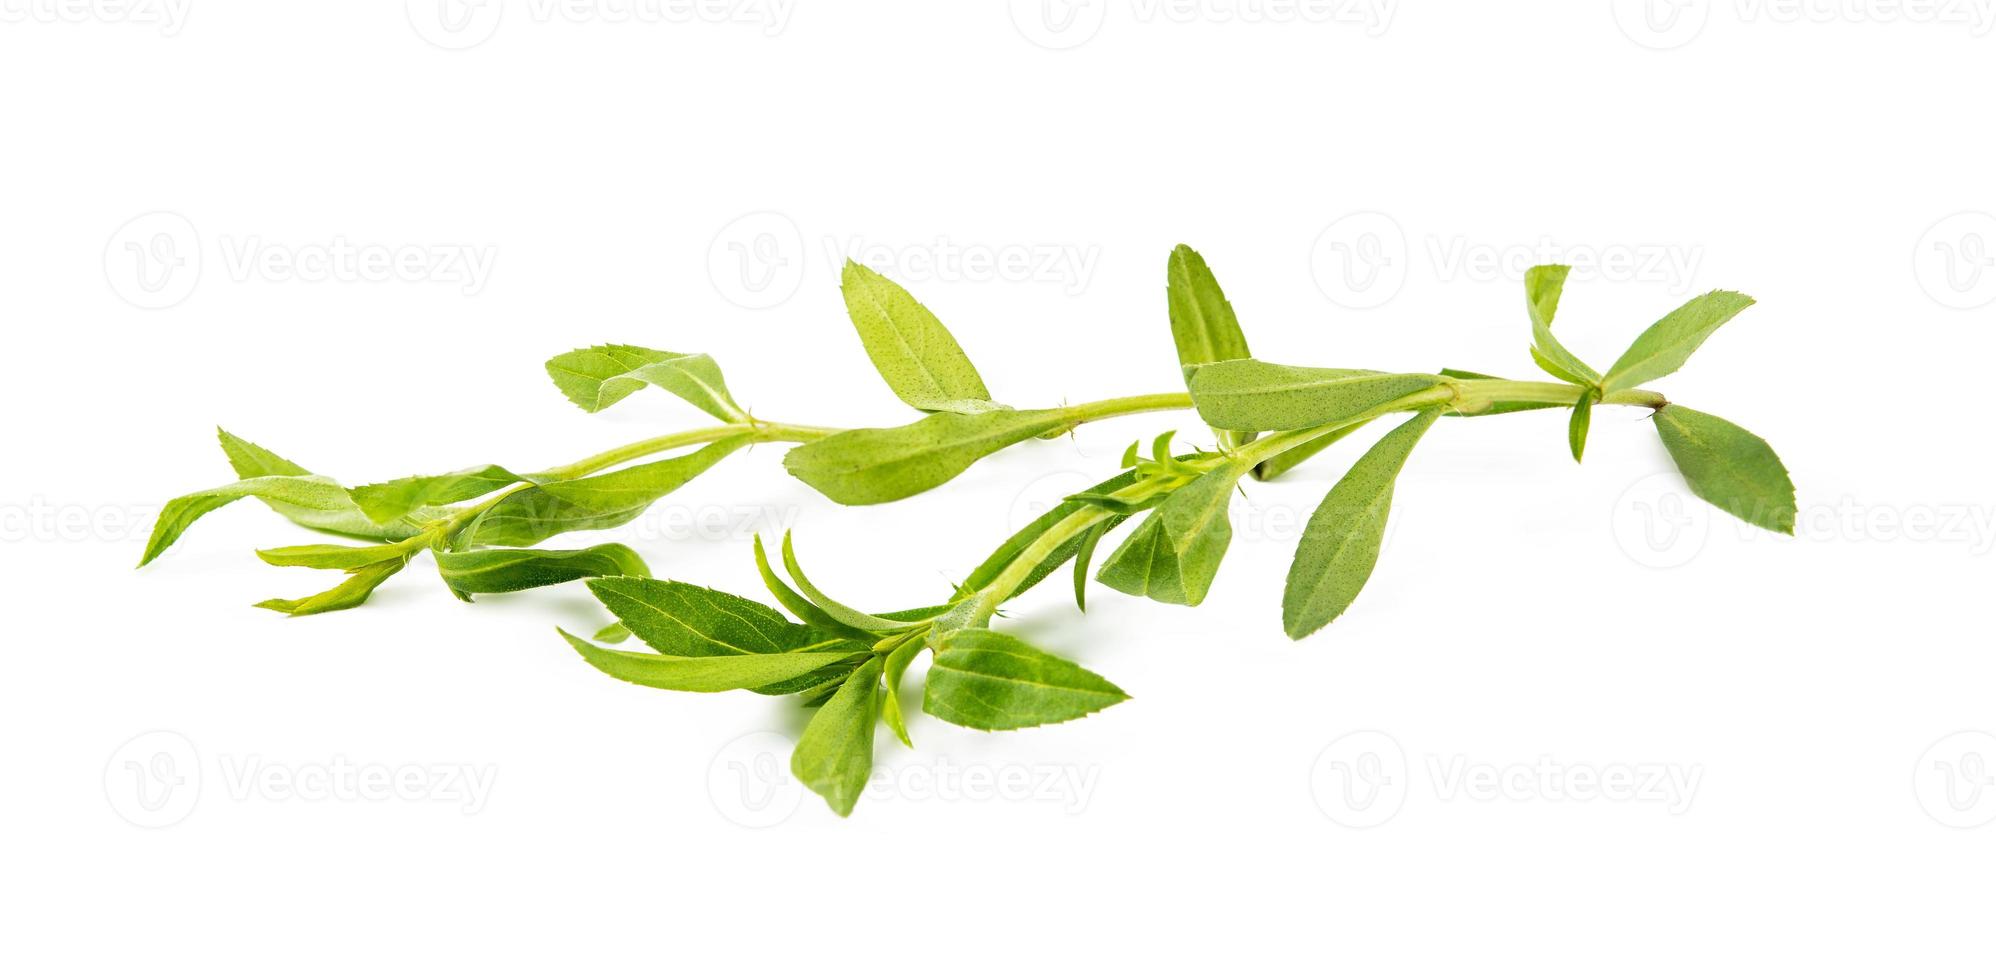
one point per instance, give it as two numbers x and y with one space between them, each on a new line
1549 394
1462 394
756 430
1109 408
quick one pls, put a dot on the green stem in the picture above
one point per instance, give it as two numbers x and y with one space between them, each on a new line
1462 394
1049 541
1548 394
757 431
1109 408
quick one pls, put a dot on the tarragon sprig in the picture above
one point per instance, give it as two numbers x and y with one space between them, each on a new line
851 665
480 522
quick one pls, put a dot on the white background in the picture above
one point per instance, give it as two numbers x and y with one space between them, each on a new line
1531 621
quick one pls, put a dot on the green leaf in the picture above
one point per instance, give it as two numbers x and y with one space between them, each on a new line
1730 467
1203 325
359 584
897 665
823 691
1145 565
1175 553
518 569
703 674
316 501
1558 370
333 556
1666 345
1576 425
1543 284
990 681
251 460
1084 553
686 620
1341 541
1197 529
1257 395
910 348
537 513
834 756
790 599
391 501
613 633
872 466
596 378
822 681
832 607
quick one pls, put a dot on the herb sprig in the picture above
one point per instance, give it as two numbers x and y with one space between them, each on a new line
480 522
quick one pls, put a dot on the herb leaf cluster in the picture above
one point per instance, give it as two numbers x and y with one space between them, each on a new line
480 523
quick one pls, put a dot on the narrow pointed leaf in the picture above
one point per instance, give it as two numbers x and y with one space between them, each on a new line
1341 541
824 680
358 586
872 466
1203 325
991 681
792 600
316 500
595 378
1543 285
537 513
1084 553
1257 395
896 665
1576 424
910 348
834 756
702 674
832 607
686 620
1730 467
251 460
492 570
1666 345
334 556
396 499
